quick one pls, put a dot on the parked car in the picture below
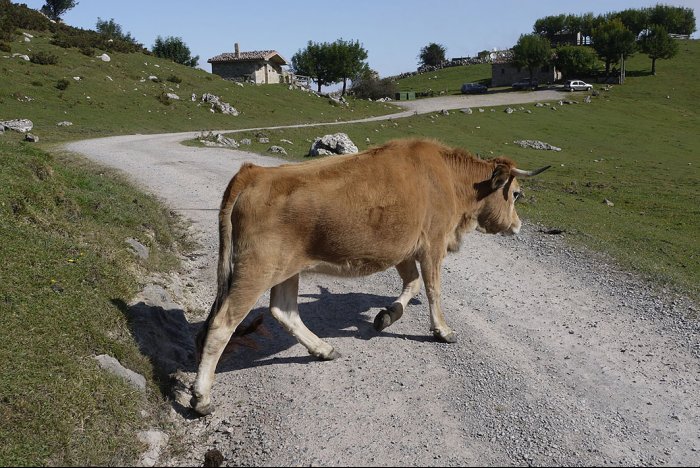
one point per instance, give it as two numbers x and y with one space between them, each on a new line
526 84
473 88
577 85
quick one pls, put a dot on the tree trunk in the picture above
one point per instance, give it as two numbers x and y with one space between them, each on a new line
653 66
319 87
345 83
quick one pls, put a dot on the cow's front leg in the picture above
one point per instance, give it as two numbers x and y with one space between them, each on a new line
430 268
411 285
283 306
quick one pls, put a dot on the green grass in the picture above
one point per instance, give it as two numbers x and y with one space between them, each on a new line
66 269
635 145
448 80
117 97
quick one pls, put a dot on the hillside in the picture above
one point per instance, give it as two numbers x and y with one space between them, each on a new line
117 97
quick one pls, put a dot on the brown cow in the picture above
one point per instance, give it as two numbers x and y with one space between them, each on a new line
405 202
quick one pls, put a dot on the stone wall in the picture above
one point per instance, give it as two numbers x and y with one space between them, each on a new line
256 72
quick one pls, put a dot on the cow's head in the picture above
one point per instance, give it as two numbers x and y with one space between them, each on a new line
498 195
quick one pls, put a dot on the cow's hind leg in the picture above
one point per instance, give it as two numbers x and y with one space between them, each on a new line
221 326
283 305
411 285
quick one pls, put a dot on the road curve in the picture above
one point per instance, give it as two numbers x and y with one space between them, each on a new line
562 358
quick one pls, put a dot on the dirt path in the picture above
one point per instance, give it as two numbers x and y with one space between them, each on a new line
561 359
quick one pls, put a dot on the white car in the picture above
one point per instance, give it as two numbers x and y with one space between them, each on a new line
577 85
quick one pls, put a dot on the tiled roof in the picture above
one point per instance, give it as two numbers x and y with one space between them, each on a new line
253 55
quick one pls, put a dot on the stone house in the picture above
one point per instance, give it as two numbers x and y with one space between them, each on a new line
505 74
259 66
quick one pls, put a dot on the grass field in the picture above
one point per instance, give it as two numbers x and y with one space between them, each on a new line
448 80
636 145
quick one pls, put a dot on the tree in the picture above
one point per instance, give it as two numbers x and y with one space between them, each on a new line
657 44
612 41
575 60
551 26
314 62
347 60
55 8
532 51
175 49
676 20
432 55
112 30
368 85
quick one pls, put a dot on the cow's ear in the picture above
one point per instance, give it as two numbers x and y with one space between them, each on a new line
500 176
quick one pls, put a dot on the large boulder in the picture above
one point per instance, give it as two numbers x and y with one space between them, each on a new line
338 143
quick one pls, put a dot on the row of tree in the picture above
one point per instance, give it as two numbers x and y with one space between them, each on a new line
614 37
676 20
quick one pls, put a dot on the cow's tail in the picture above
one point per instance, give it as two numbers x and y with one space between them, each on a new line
226 250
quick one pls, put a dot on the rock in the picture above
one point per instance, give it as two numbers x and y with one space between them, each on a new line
27 35
536 144
509 110
104 57
217 105
277 150
113 366
153 78
263 140
218 140
22 56
64 123
18 125
608 202
467 110
173 96
31 138
284 140
213 458
246 141
338 143
139 249
481 110
587 99
194 97
156 441
445 112
76 78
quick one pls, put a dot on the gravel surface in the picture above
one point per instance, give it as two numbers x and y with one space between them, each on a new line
561 359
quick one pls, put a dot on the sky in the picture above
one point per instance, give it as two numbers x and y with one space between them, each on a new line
392 32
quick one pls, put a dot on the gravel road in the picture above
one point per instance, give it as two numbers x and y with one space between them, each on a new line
561 359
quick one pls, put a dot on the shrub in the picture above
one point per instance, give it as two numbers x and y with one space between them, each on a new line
164 99
43 58
88 51
62 84
174 79
5 47
37 83
19 16
66 37
373 88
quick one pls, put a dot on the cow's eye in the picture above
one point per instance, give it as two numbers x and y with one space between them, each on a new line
517 195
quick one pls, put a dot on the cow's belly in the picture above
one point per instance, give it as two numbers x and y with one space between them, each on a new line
354 267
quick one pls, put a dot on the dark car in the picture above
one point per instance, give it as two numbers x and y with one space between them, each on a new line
526 84
473 88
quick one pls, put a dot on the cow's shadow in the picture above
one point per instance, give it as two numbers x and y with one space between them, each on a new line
165 336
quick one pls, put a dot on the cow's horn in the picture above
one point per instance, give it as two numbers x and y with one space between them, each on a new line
520 173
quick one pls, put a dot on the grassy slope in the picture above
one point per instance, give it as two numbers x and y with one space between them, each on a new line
99 106
631 145
66 272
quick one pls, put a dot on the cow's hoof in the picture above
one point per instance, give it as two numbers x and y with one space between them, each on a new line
382 320
333 354
203 410
450 337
